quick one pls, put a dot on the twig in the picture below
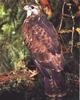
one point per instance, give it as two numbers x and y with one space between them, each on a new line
62 16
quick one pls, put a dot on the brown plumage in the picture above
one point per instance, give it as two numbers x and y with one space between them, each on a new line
43 43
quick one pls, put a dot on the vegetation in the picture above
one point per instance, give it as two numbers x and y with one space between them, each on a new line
13 52
12 49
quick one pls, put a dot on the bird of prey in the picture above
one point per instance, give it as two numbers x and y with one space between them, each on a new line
42 40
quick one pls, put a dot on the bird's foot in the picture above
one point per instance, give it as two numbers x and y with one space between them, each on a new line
33 73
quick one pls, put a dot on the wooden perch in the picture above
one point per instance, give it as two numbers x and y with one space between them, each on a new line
15 75
21 80
15 78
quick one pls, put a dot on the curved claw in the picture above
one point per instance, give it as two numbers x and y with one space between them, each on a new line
33 73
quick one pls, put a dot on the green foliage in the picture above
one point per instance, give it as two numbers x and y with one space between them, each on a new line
2 12
12 49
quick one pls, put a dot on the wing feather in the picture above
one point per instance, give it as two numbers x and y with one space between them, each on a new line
42 41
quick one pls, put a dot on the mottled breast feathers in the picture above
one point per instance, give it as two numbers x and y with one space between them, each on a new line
41 39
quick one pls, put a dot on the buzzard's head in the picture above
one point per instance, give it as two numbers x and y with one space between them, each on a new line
32 10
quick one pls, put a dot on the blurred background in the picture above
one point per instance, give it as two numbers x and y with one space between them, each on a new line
65 16
12 49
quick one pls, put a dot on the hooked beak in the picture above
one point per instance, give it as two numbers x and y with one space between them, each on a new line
26 7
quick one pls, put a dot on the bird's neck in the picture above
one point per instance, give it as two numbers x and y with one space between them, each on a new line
32 17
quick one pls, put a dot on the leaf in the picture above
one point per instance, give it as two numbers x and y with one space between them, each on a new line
37 1
78 30
2 11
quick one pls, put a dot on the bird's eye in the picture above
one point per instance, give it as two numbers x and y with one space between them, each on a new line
32 7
